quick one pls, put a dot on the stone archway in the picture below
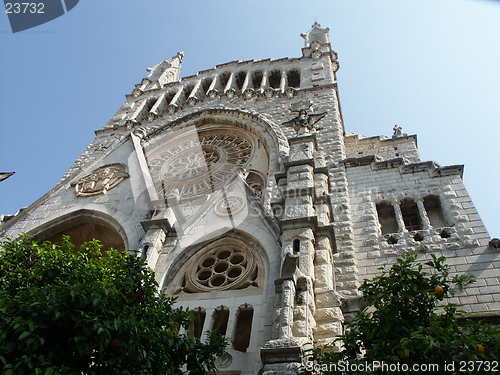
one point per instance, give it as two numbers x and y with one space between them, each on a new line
83 226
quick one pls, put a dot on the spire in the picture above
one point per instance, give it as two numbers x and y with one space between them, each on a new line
316 34
166 71
317 44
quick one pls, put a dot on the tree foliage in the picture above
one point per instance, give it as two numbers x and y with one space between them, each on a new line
87 312
407 322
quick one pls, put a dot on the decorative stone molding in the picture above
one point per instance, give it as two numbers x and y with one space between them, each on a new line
100 181
140 132
136 93
224 361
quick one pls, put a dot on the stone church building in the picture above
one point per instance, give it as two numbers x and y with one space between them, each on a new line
257 209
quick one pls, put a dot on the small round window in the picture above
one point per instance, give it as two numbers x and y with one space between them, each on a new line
225 264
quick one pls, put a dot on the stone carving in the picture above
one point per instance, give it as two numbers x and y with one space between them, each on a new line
100 181
315 55
191 163
229 206
137 92
494 244
304 123
192 101
398 132
248 93
152 116
224 361
257 188
140 132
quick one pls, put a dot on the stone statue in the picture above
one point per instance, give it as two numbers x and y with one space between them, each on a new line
398 132
304 122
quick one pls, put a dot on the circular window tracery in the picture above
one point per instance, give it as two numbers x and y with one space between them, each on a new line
199 164
225 264
191 163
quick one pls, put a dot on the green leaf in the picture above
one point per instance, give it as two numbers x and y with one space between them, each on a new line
24 335
83 309
31 325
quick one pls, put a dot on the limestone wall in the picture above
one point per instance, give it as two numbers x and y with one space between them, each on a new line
383 147
461 236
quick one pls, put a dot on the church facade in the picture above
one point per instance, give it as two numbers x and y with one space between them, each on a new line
255 207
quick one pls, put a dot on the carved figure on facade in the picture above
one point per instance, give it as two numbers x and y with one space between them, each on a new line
100 181
304 123
398 132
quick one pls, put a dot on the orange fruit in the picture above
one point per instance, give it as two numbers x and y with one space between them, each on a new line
401 355
186 349
439 290
114 343
480 348
2 326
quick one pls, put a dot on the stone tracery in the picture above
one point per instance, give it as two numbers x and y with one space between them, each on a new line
200 164
225 264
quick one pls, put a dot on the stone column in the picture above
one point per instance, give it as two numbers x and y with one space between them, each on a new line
151 246
287 302
399 216
426 223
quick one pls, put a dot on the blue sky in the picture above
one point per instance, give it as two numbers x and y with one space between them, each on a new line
429 66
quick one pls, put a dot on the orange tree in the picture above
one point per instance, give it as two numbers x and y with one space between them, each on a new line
90 312
406 324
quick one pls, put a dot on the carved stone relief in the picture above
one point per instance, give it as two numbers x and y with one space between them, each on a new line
100 181
229 206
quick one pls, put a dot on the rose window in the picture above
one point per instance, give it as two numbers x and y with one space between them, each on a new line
196 165
191 163
226 264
